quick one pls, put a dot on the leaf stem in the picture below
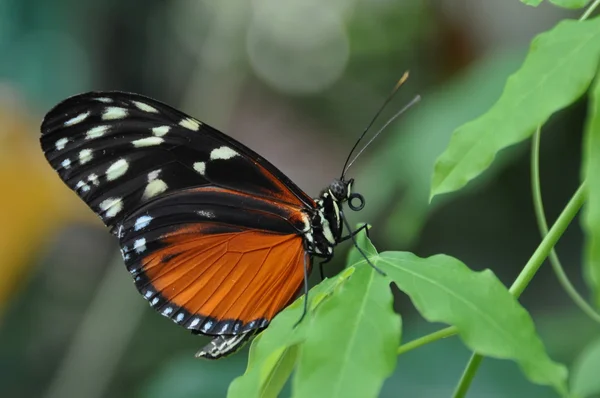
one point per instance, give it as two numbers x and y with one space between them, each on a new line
527 274
538 205
538 257
428 338
589 10
467 376
543 250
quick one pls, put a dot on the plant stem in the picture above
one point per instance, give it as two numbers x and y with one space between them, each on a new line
538 205
428 338
527 274
467 376
536 260
543 250
589 10
524 277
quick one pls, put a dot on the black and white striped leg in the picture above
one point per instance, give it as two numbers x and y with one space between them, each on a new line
354 233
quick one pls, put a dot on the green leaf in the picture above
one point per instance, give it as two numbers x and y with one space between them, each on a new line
558 69
350 348
591 173
533 3
584 378
273 352
571 4
489 319
354 256
406 159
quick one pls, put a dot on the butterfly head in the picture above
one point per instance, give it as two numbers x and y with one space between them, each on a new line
341 191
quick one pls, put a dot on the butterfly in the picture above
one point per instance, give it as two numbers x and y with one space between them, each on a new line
216 238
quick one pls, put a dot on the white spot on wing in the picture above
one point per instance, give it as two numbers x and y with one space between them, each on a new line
223 152
142 222
111 207
77 119
66 163
85 155
148 141
195 323
96 132
180 317
154 188
154 301
190 124
114 112
167 310
207 326
60 144
153 175
104 99
160 131
206 213
144 107
200 167
82 186
93 178
117 169
139 245
148 294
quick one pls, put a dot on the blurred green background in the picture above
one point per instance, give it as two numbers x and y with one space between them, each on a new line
297 81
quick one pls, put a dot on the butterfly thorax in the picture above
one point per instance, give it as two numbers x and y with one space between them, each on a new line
327 221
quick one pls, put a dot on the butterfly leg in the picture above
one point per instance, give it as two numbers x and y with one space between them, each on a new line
321 271
354 233
305 309
356 245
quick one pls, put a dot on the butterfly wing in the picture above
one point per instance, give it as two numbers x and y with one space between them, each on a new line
119 150
211 231
216 261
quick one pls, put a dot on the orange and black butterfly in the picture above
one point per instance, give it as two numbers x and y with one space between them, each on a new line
216 237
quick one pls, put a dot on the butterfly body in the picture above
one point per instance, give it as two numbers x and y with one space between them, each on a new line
215 237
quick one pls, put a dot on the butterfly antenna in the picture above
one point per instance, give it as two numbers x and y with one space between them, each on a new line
400 112
366 130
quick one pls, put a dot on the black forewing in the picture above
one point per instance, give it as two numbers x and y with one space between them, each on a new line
119 150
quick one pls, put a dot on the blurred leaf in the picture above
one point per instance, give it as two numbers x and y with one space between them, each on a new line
558 69
572 4
409 152
533 3
490 320
281 373
584 377
268 362
591 173
350 348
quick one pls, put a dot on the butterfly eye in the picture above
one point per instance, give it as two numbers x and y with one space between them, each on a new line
356 201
